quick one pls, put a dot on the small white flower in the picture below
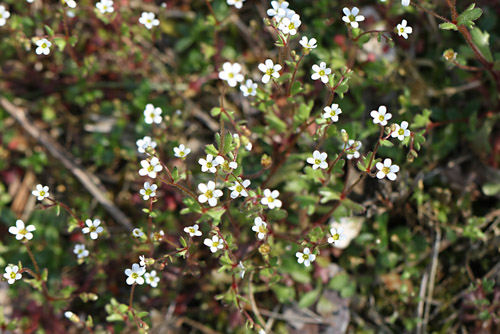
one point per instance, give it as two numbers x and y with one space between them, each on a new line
271 199
70 3
405 2
142 260
149 20
387 169
93 228
290 25
152 114
306 257
332 112
105 6
321 72
260 227
21 231
352 17
137 233
352 148
249 88
401 131
236 3
209 164
215 244
135 274
30 1
318 160
41 192
239 189
150 168
403 29
80 251
181 151
231 74
145 144
248 146
227 166
43 46
243 269
4 15
308 43
148 191
381 116
152 279
337 235
12 274
194 231
276 5
269 70
209 193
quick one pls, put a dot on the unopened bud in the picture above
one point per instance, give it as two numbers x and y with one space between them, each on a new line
344 135
72 317
246 131
264 249
266 161
450 55
394 127
411 155
267 22
150 150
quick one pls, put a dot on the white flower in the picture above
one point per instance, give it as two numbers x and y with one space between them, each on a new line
150 168
269 70
12 274
215 244
381 116
401 131
248 146
352 148
80 251
4 15
290 25
105 6
243 269
30 1
231 74
70 3
148 191
209 164
405 2
137 233
152 114
152 279
308 43
337 235
93 228
21 231
239 189
271 199
306 257
276 5
148 19
318 160
387 169
209 193
41 192
43 46
352 17
249 88
321 72
181 151
193 230
144 144
135 274
403 29
260 227
142 260
332 112
236 3
227 166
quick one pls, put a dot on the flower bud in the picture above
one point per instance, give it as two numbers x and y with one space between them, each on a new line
266 161
72 317
246 131
151 151
264 249
393 127
267 22
450 55
344 135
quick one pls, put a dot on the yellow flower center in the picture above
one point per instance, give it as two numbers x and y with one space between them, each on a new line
12 274
148 191
44 45
23 231
135 275
381 117
239 188
270 71
401 132
317 161
209 194
386 170
209 165
262 229
305 256
291 26
230 75
321 73
151 168
352 18
336 236
250 90
42 193
152 115
92 228
270 199
181 153
215 244
148 21
191 230
401 29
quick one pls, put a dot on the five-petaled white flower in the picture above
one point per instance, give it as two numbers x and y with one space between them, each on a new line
193 231
4 15
149 20
318 160
270 70
21 231
80 251
137 233
249 88
387 169
181 151
70 3
405 2
352 148
403 29
148 191
239 189
321 72
352 17
271 199
337 235
276 6
209 164
381 116
401 131
231 74
332 112
290 25
260 227
105 6
152 114
43 46
40 192
145 144
308 43
135 274
152 279
236 3
306 257
215 243
93 228
209 193
150 168
12 274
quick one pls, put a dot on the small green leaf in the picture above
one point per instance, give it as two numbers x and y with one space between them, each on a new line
448 26
50 32
469 16
482 41
309 298
210 149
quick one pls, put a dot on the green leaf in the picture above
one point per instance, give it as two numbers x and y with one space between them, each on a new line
481 39
60 43
210 149
448 26
296 88
50 32
277 215
215 111
228 140
469 16
276 123
386 143
309 298
283 293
